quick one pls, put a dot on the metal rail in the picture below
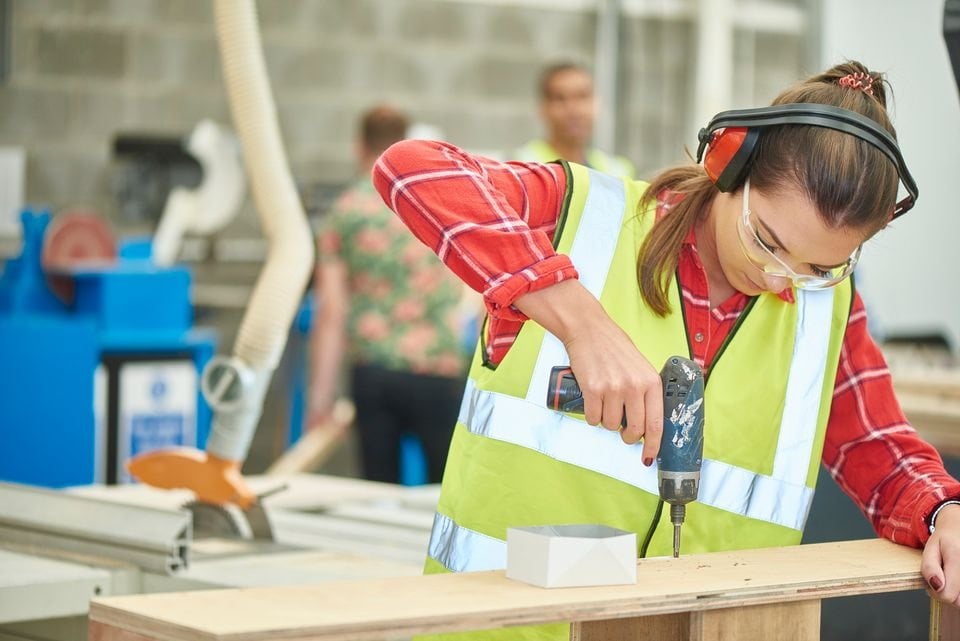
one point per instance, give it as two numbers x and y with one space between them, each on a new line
153 539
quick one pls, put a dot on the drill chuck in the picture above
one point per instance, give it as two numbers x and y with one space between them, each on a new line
679 488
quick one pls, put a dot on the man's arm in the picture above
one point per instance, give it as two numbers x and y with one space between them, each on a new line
328 340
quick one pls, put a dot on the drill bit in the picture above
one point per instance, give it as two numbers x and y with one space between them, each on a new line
677 513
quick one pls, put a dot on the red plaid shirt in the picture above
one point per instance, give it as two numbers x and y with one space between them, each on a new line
492 223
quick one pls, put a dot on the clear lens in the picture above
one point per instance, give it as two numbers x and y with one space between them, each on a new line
764 259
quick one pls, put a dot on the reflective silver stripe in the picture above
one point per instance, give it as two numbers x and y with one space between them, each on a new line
461 549
801 408
602 215
591 253
531 425
765 498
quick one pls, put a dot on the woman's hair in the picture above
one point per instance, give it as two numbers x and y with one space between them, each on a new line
852 184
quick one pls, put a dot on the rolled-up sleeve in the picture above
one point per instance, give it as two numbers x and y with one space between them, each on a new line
490 222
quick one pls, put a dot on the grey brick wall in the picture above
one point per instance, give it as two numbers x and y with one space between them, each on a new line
83 71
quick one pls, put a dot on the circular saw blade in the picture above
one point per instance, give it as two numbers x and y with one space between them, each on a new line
75 238
218 521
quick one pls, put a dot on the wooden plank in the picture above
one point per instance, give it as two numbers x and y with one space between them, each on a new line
749 623
759 622
100 632
318 444
400 607
944 622
666 627
927 381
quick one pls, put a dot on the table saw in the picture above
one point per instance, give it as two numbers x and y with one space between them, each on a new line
58 549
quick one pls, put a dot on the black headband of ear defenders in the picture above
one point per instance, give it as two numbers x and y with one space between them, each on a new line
818 115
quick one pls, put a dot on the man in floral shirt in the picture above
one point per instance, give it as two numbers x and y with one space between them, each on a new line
388 304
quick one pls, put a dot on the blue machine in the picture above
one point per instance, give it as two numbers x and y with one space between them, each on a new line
85 386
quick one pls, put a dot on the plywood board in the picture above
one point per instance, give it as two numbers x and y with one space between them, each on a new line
399 607
662 627
759 622
927 381
797 620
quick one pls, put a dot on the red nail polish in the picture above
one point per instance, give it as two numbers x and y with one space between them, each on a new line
648 461
935 583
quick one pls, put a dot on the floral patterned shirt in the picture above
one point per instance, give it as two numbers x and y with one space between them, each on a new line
404 311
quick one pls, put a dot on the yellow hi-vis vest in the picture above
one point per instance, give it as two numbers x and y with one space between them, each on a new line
514 462
542 151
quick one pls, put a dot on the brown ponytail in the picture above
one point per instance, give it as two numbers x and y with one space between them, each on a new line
661 249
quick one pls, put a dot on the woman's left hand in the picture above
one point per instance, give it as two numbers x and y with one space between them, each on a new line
941 557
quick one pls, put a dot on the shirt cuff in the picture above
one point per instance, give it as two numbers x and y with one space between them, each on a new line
550 271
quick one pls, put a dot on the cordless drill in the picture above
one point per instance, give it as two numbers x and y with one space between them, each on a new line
681 446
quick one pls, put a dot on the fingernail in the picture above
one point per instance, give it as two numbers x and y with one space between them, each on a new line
935 583
648 461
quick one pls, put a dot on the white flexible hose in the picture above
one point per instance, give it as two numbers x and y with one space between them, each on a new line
284 276
213 203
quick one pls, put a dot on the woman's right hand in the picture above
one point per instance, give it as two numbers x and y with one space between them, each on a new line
611 372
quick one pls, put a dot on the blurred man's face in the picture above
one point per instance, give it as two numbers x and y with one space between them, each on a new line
568 108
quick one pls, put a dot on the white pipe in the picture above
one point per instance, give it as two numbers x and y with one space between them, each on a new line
280 286
213 203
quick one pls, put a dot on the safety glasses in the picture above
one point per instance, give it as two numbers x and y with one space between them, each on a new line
762 255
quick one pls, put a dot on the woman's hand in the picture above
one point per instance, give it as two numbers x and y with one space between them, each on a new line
941 557
612 374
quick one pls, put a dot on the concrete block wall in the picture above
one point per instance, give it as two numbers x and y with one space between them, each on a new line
83 71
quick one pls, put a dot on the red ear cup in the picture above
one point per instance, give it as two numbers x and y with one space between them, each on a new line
727 159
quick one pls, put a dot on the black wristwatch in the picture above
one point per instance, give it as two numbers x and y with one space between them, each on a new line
933 517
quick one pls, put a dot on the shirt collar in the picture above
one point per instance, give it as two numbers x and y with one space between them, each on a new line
666 201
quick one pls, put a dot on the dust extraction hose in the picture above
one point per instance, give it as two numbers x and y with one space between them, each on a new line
283 278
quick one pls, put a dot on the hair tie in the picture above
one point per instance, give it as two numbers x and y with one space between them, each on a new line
858 80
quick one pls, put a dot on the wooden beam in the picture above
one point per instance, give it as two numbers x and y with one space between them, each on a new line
318 444
930 380
406 606
749 623
944 622
103 632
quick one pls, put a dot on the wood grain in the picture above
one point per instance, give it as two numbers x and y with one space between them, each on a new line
401 607
798 621
97 631
665 627
318 444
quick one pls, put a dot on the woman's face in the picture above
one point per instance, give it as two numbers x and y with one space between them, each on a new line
769 234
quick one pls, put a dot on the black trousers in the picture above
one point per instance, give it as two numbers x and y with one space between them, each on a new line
391 403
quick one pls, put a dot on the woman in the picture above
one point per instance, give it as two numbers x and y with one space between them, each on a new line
744 264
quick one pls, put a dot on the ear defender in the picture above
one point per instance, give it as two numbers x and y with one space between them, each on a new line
727 154
730 140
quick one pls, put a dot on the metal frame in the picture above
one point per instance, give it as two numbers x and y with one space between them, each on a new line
153 539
